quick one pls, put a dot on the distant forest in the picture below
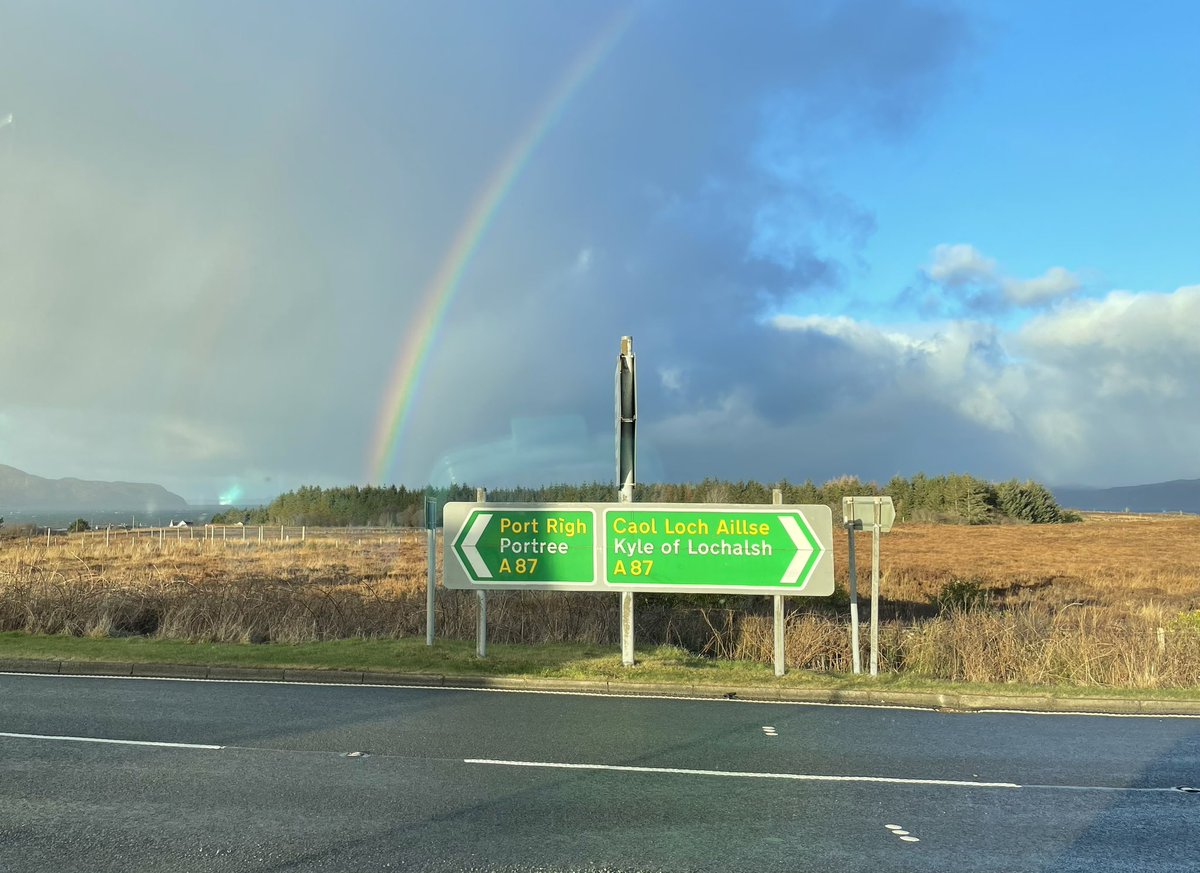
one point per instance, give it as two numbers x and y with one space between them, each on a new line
949 499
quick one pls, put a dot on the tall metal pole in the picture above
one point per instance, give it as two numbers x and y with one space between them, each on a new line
875 586
780 643
481 624
851 526
431 580
626 416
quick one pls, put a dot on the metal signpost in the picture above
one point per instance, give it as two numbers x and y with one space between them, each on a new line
778 618
879 513
652 547
626 427
481 621
431 581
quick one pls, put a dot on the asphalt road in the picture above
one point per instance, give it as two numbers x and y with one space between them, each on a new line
314 777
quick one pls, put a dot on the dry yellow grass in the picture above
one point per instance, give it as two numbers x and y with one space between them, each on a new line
1104 602
1111 560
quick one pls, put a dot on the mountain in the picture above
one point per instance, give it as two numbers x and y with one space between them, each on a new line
20 491
1178 495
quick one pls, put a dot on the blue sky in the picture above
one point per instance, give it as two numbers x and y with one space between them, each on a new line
847 237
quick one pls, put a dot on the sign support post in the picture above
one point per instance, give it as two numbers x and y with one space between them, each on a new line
857 512
856 654
431 579
780 642
481 624
875 529
626 403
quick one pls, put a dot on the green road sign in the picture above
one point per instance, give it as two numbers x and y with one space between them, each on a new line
527 547
773 549
640 547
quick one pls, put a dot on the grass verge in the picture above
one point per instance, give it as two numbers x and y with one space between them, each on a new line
665 665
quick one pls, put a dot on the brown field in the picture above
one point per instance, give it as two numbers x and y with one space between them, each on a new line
1112 601
1126 561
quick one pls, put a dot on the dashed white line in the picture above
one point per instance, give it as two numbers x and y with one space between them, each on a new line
902 833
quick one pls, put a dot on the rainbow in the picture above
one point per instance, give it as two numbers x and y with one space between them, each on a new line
438 294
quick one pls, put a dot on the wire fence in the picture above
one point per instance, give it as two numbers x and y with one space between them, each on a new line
245 534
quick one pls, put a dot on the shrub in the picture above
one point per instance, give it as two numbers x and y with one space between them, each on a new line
961 595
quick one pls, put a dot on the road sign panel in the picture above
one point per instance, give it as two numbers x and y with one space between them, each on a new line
528 546
640 547
862 510
777 550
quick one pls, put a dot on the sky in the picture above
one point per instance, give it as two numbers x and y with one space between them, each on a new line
248 246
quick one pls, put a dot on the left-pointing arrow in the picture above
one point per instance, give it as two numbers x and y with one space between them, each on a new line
472 551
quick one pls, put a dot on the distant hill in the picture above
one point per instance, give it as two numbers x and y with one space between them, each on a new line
20 491
1179 495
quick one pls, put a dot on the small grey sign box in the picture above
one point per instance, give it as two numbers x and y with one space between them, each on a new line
862 511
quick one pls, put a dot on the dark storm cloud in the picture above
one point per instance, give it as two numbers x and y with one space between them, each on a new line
226 214
666 190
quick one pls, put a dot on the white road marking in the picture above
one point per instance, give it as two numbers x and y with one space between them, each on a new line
806 777
1093 714
616 694
800 777
900 832
111 742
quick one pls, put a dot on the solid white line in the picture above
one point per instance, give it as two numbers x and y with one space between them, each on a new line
799 777
623 696
111 742
1074 712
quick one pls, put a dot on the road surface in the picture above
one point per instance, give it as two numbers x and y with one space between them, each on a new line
272 776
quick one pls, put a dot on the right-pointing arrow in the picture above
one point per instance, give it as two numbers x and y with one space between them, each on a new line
471 551
803 550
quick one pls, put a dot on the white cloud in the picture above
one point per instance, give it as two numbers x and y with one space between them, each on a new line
977 282
671 378
583 262
960 264
1054 283
1095 390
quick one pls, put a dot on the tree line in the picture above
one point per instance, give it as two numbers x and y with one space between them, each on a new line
951 499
